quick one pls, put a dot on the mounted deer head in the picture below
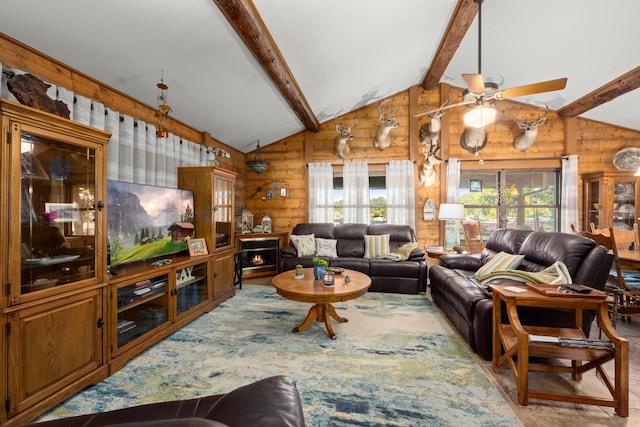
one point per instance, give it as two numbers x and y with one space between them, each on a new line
387 122
340 143
428 173
526 139
430 132
473 139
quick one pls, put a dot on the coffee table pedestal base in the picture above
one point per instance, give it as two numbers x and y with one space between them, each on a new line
321 313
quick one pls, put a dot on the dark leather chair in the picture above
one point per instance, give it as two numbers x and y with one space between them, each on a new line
272 401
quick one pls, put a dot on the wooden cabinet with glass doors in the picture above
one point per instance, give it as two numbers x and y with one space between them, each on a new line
610 200
214 191
150 303
53 269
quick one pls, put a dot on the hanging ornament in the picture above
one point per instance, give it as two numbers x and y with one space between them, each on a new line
163 108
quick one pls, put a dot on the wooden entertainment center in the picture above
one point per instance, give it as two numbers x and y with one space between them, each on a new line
67 323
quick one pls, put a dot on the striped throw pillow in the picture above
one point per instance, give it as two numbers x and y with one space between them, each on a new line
500 262
376 245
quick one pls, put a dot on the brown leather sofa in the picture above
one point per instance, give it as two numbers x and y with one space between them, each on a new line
272 401
405 277
469 306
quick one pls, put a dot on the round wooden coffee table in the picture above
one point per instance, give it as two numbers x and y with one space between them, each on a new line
314 292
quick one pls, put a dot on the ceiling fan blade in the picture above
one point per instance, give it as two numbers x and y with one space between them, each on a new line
548 86
474 82
445 108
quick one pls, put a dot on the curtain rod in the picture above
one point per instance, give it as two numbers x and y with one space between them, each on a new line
368 163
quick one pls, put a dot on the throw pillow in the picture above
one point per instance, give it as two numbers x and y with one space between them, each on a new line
500 261
376 245
405 250
305 244
326 247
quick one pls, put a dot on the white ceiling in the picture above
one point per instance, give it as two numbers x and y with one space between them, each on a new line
344 54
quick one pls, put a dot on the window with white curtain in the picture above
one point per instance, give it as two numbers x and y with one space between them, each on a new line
377 198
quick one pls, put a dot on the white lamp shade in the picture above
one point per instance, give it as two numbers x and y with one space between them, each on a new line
451 211
479 117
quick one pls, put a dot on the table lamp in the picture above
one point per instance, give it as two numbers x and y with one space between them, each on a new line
451 213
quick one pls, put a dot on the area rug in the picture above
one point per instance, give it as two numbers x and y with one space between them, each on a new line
396 362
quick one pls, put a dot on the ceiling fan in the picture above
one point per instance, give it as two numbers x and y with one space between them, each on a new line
483 94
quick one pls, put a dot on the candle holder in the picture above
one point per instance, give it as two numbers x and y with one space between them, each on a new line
328 278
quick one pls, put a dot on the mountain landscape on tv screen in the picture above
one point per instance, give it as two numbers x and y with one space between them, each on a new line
140 220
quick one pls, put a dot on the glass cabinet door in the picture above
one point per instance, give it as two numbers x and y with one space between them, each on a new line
593 204
624 204
223 211
57 216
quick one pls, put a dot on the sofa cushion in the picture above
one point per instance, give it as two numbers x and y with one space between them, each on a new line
326 247
376 245
350 239
305 244
324 230
500 262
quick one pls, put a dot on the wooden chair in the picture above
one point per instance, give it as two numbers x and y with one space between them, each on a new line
473 240
624 238
623 301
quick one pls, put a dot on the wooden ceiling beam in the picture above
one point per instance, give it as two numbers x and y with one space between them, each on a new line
246 21
460 22
624 84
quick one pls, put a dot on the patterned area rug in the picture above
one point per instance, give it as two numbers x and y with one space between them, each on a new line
396 362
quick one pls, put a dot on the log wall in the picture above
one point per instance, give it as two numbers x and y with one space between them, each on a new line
595 143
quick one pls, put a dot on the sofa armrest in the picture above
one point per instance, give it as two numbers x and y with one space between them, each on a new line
461 262
417 254
272 401
289 251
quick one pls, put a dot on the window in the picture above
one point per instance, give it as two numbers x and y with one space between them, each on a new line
377 198
523 199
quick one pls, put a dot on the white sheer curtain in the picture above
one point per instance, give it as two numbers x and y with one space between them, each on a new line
400 193
357 207
569 193
134 153
320 192
111 124
139 151
453 180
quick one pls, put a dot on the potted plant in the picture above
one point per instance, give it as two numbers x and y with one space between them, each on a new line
299 270
319 267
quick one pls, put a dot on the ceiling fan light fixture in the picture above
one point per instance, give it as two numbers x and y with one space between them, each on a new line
479 116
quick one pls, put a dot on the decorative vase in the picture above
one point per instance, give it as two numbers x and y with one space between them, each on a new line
318 271
299 271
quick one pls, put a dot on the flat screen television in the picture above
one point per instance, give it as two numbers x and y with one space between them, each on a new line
147 221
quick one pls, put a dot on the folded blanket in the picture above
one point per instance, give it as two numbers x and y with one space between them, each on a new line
555 274
392 257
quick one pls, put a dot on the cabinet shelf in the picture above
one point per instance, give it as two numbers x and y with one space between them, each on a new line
189 282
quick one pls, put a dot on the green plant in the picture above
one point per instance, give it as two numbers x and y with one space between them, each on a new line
320 261
298 265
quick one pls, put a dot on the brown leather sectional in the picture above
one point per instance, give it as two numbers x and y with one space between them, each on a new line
469 306
405 277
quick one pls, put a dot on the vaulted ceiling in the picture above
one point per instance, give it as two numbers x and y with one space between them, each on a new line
246 71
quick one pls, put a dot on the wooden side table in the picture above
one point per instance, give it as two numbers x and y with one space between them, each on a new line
514 339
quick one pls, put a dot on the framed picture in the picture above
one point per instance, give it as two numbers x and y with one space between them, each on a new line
62 212
269 194
475 185
197 247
